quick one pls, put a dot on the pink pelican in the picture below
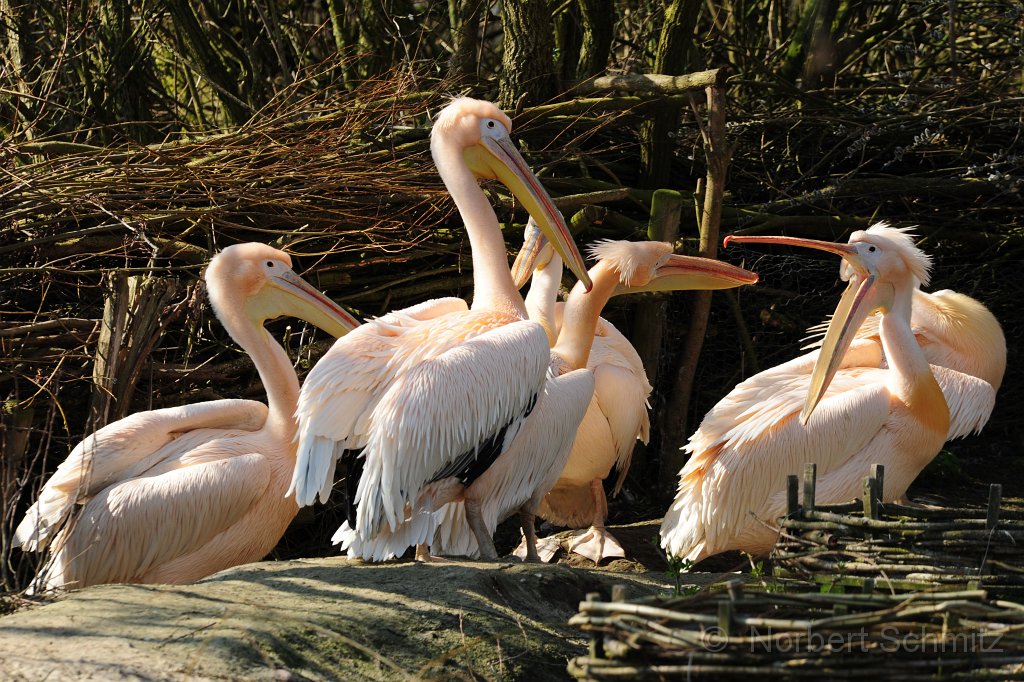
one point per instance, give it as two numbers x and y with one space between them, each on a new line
176 494
538 459
954 331
421 401
616 417
856 411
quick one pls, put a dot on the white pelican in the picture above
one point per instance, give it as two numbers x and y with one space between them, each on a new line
421 400
954 331
855 411
616 417
173 495
622 267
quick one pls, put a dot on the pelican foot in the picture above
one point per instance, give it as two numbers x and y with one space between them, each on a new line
547 548
596 544
434 559
424 556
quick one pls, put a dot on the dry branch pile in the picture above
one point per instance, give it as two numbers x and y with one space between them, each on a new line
744 634
893 547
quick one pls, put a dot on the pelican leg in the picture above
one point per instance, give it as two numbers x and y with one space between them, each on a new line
596 543
527 520
479 528
547 548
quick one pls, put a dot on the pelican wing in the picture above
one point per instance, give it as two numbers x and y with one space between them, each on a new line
527 468
751 440
611 347
122 450
340 393
133 527
970 401
622 398
442 410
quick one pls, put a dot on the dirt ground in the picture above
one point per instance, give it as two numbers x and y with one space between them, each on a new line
326 619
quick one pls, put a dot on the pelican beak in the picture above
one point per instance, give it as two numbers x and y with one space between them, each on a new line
862 297
498 158
683 273
535 253
296 297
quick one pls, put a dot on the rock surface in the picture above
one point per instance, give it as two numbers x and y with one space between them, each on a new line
318 619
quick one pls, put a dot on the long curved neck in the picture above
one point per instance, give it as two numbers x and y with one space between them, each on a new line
493 288
580 316
272 364
911 378
540 300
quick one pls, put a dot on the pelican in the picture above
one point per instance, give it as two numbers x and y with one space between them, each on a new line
954 331
420 402
615 419
540 459
855 410
173 495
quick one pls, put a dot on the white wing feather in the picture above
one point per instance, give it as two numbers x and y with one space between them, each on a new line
751 440
440 409
143 523
970 401
340 393
122 450
526 470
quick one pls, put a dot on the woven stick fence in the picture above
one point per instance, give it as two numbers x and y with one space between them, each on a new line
756 634
899 547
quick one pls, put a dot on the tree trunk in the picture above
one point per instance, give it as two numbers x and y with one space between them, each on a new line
208 61
650 313
570 40
133 322
812 52
598 30
123 57
674 427
465 30
528 62
12 27
673 58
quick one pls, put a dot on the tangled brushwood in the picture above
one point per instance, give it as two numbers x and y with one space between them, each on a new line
140 141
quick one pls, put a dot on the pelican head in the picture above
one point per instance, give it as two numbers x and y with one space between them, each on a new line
879 263
651 266
481 130
535 254
259 280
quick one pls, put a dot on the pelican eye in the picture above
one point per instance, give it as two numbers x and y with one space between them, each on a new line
270 263
872 249
490 124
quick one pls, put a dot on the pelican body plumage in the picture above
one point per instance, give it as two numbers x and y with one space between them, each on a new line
176 494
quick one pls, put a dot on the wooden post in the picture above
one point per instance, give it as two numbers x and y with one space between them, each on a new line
810 476
725 618
618 592
594 647
995 496
870 500
878 473
792 494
